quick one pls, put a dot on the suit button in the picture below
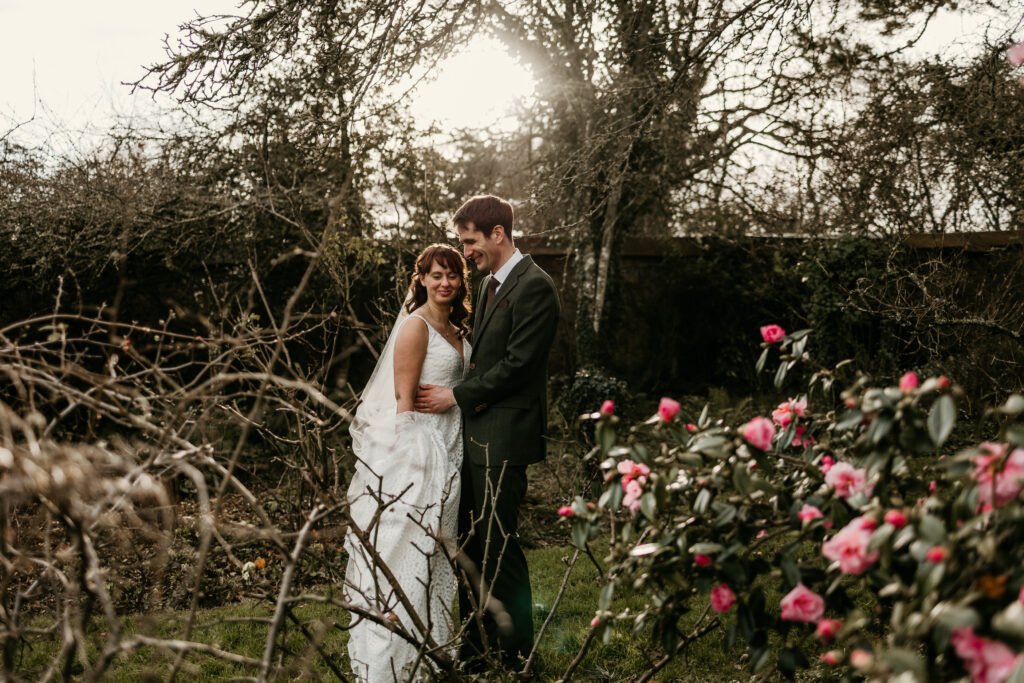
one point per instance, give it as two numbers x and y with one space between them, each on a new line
472 366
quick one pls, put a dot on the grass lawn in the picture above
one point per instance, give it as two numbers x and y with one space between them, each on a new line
241 629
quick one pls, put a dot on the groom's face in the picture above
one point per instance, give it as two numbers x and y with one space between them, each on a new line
483 251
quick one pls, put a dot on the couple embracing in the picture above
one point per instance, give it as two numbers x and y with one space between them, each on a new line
445 429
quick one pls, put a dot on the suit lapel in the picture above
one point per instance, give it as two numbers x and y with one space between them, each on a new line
503 292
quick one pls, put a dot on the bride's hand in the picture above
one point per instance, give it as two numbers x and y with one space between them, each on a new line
431 398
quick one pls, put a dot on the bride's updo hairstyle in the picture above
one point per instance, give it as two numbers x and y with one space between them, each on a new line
447 257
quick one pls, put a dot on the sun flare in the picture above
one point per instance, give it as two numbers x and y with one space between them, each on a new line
477 87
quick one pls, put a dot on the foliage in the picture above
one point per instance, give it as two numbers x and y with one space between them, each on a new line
743 511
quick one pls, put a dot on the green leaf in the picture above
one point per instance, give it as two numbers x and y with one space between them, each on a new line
762 360
706 548
1013 406
789 570
604 600
941 419
726 514
648 505
700 506
580 534
901 660
931 530
741 478
879 428
787 663
780 376
953 616
849 420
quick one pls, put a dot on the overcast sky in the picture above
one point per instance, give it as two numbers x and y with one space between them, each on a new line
72 56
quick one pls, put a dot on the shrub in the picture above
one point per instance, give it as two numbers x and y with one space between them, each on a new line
815 528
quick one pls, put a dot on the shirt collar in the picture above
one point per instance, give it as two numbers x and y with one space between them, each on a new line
506 269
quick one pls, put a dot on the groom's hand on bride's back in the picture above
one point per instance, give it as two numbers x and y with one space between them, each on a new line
431 398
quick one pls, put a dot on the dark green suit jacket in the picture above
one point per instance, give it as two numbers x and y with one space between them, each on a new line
504 395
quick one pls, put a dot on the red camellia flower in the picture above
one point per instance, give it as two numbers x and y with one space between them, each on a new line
702 560
936 554
943 382
909 381
668 409
608 408
827 629
566 511
690 427
809 513
802 604
832 657
896 518
772 334
759 433
722 598
595 622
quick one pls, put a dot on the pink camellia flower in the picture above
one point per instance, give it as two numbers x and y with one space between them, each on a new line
998 487
849 547
632 470
942 382
832 657
932 485
987 661
826 463
936 554
861 659
690 427
772 334
798 437
759 433
785 412
809 513
802 604
632 498
1015 54
896 518
847 480
668 409
702 560
827 629
566 511
595 622
722 598
608 408
909 381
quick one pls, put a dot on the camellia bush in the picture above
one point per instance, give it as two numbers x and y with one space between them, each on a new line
841 528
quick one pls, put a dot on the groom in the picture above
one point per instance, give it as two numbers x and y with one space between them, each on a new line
503 400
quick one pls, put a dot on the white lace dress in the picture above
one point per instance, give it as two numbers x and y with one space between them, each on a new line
404 495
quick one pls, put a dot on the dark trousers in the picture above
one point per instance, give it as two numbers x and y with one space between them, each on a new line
488 524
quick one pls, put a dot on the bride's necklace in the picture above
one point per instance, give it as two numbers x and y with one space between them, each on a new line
444 328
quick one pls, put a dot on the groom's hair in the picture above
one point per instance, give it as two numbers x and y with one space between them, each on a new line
485 212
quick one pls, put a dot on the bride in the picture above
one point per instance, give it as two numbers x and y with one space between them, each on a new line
404 495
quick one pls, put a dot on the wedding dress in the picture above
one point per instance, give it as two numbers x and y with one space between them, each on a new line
404 496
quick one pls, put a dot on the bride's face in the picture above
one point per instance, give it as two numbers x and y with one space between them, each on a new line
442 284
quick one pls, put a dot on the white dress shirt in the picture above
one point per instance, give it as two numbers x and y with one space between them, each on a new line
506 269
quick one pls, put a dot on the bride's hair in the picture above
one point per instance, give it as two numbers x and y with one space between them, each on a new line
447 257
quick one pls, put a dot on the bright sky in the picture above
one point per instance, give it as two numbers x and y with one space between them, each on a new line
72 55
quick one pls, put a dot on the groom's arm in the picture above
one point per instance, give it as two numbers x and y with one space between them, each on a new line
534 325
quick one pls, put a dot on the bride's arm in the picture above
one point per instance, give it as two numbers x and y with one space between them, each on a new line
410 350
